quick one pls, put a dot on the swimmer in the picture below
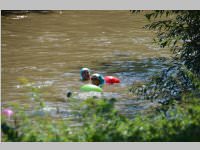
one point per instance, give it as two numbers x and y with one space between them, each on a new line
85 74
97 79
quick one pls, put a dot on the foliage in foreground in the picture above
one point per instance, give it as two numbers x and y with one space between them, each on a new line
171 83
180 31
100 121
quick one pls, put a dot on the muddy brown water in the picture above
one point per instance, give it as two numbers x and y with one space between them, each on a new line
50 49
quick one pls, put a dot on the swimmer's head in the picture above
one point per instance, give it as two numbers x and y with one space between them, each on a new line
97 79
85 74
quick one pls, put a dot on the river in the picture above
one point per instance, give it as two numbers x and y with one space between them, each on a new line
50 49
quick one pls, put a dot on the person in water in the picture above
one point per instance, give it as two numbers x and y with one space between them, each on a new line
85 74
97 79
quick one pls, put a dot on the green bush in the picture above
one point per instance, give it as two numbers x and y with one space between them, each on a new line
178 30
102 122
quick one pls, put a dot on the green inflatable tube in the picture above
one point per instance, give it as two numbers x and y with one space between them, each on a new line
91 87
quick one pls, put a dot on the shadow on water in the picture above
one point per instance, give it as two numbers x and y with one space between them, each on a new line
134 70
23 12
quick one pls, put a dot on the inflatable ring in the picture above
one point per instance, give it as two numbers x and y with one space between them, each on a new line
91 87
